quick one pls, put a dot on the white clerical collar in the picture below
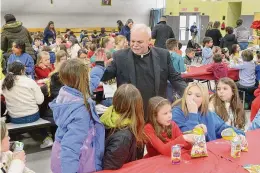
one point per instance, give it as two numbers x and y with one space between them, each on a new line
142 55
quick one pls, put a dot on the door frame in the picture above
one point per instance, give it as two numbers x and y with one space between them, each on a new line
187 30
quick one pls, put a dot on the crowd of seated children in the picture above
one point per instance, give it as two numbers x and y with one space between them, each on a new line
19 55
11 162
161 132
43 66
177 60
124 123
192 111
207 53
218 68
76 148
227 104
229 39
235 56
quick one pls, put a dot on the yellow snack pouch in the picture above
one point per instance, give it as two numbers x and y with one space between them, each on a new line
228 134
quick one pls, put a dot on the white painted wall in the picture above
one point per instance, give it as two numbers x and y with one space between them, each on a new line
77 13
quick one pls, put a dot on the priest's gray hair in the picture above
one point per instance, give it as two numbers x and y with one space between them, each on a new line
142 28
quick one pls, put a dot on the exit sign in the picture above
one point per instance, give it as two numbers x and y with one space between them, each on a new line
196 9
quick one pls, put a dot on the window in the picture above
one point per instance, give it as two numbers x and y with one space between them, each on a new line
160 3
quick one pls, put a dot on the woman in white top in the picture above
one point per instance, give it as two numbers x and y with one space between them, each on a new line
22 95
227 104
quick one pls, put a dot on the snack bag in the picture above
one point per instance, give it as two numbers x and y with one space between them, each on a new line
229 134
199 149
236 146
252 168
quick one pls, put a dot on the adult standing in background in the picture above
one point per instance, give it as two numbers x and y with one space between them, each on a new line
215 34
242 34
120 25
125 31
194 29
49 33
14 30
162 32
209 27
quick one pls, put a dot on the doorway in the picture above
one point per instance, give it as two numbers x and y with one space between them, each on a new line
186 21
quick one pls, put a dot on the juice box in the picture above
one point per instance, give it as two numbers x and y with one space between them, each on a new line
18 146
176 154
236 146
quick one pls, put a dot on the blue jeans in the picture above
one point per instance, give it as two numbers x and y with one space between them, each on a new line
28 119
243 45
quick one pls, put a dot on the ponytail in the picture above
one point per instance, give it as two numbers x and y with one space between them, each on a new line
8 81
16 68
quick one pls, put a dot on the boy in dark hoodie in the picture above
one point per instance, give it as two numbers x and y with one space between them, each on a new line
229 39
218 68
190 54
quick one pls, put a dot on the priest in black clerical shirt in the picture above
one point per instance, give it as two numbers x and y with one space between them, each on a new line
148 69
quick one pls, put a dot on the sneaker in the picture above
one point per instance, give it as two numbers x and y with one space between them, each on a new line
48 142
